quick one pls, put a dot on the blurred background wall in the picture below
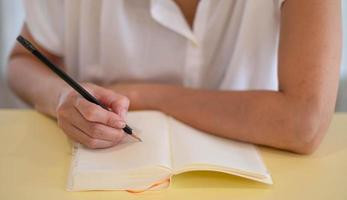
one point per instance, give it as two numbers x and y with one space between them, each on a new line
11 19
342 96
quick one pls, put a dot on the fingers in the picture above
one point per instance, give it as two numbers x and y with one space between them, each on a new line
78 135
96 130
94 113
118 103
90 134
90 124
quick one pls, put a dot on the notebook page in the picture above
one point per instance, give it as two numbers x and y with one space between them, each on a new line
129 157
194 150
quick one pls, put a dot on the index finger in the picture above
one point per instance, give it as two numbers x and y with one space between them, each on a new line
117 102
95 113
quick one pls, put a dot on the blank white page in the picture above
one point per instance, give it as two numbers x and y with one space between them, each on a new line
192 149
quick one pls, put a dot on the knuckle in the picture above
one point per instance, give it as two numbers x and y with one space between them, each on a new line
124 100
96 130
71 94
69 98
90 113
111 121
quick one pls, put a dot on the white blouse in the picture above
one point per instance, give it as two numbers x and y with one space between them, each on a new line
233 44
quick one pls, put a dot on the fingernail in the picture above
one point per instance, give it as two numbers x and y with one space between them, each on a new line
121 124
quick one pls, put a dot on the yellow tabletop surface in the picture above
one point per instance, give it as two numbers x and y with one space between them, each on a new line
35 159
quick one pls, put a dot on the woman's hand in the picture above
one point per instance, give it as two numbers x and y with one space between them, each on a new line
88 123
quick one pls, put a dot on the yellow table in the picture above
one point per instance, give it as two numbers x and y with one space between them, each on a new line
35 158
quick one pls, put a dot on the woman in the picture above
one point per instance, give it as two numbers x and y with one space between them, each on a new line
264 72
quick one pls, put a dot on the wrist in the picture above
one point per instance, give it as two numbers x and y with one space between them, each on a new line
49 105
147 96
159 96
140 97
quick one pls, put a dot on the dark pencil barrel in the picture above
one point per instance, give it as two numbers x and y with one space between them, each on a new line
65 77
26 43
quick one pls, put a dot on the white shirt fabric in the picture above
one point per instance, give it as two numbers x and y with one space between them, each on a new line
232 46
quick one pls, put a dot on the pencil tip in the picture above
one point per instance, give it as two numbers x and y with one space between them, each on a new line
137 138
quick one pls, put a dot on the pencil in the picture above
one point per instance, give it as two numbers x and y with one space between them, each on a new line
77 87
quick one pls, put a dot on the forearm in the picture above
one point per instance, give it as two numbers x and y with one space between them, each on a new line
268 118
34 83
253 117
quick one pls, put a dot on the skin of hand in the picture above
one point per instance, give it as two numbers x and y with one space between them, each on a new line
88 123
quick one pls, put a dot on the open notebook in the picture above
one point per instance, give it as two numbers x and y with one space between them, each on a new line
169 147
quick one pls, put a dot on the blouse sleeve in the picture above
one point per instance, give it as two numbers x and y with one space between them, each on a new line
45 21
